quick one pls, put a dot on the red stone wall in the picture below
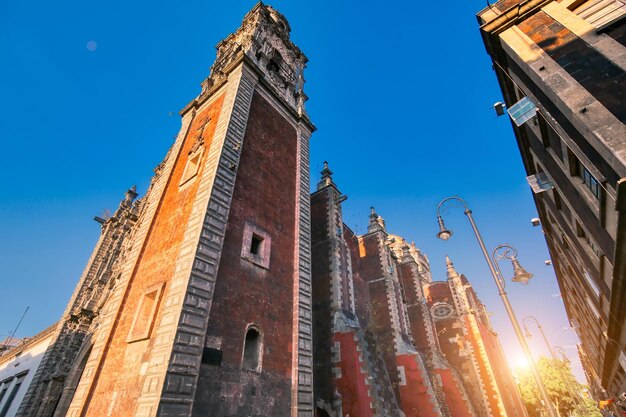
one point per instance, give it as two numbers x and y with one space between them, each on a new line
452 390
118 387
415 398
508 389
249 294
361 290
417 321
488 382
352 385
370 269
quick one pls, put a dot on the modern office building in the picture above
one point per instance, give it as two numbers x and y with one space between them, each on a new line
560 66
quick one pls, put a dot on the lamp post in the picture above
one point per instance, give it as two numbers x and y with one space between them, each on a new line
520 275
579 403
568 386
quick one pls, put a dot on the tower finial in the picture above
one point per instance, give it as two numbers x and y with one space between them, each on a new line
131 194
376 222
327 177
326 172
451 271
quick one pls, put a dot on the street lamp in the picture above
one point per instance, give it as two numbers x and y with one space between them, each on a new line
566 360
519 275
543 335
568 386
563 355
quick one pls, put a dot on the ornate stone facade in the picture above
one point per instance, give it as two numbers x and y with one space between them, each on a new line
49 389
387 339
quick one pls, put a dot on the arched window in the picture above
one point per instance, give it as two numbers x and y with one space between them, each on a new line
252 350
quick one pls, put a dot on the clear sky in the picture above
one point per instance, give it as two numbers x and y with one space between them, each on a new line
401 93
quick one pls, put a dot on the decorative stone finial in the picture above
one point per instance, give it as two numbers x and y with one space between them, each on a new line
131 194
326 172
451 274
377 223
327 177
264 38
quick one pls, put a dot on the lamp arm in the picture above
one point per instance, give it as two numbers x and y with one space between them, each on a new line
532 318
454 197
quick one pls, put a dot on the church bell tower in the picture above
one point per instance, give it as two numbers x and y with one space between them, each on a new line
210 312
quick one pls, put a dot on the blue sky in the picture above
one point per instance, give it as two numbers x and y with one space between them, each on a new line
401 93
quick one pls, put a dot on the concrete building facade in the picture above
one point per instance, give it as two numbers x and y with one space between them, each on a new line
569 58
18 367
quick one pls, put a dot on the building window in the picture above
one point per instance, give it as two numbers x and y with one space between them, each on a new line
578 169
591 283
145 314
4 387
582 234
18 383
257 245
441 310
592 307
590 181
252 350
557 200
550 138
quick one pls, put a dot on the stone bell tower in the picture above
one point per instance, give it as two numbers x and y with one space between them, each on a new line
210 313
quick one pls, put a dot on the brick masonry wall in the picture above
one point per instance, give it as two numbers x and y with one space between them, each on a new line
155 268
453 391
322 313
416 394
248 294
508 388
452 339
379 314
420 322
351 376
155 361
360 286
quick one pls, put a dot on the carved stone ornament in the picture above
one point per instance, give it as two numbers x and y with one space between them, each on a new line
264 38
199 142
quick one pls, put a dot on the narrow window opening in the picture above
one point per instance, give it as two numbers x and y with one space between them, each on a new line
590 181
252 350
557 201
256 244
11 397
5 388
